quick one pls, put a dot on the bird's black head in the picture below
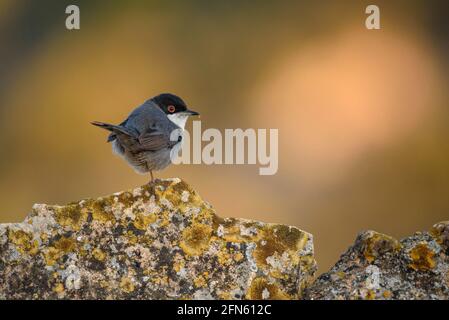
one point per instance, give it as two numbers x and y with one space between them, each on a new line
171 104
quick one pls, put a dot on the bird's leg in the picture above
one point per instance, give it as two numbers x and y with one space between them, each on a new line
152 178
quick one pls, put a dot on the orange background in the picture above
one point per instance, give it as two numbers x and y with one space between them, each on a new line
363 115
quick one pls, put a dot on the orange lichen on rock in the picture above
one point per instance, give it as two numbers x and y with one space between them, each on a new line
261 289
158 241
24 242
422 258
195 239
277 239
376 244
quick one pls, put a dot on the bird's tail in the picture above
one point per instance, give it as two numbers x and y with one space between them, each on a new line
113 128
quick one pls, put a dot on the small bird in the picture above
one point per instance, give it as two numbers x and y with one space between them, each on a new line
151 134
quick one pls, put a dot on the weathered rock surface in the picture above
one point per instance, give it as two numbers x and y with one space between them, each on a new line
150 243
165 242
380 267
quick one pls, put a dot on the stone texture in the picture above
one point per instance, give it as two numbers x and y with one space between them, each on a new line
160 242
380 267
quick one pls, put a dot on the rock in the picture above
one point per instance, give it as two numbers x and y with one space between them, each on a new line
380 267
160 242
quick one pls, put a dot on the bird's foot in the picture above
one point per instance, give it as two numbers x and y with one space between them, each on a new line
152 186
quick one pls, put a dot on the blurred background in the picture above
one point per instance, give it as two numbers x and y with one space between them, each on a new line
363 115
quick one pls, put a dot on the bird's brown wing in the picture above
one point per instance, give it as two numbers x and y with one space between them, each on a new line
154 140
113 135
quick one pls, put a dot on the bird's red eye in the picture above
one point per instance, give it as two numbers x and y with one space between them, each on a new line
171 109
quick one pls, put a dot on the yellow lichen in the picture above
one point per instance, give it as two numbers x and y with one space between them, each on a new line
195 239
291 238
101 210
65 244
224 257
82 252
142 221
378 243
24 242
232 231
58 249
132 238
174 192
160 280
205 215
126 284
51 256
58 288
278 274
178 265
199 282
238 257
98 254
422 258
265 250
260 289
224 295
370 295
164 219
71 215
387 294
277 239
126 198
232 234
307 262
44 237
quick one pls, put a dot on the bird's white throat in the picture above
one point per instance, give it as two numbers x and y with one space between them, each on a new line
179 119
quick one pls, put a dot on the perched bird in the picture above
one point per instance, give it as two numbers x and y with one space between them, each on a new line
151 134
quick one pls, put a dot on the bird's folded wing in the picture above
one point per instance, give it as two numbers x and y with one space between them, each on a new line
153 141
113 135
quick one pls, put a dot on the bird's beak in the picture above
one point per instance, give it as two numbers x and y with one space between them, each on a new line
192 113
